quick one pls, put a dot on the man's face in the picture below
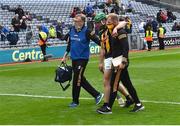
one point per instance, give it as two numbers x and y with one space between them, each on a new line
78 23
101 23
16 16
109 21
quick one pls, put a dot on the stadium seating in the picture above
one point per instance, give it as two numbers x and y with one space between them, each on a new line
47 9
55 10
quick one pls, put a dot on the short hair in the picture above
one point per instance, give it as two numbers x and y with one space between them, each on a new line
114 17
16 15
82 16
121 18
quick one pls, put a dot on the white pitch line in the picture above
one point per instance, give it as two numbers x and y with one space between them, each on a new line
162 102
155 55
11 69
40 96
84 98
137 57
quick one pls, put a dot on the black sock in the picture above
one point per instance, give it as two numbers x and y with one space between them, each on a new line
76 93
105 104
128 97
112 99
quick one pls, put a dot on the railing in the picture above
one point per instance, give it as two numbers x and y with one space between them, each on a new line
136 42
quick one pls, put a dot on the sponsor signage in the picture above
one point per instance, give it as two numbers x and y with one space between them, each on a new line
172 41
19 55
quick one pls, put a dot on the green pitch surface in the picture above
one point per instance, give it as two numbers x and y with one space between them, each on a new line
155 75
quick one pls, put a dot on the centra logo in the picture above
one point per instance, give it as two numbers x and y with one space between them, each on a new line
94 49
21 56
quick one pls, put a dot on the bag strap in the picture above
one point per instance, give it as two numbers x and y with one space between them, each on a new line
66 87
63 64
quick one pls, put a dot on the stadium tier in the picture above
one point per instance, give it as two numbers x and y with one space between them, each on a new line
49 11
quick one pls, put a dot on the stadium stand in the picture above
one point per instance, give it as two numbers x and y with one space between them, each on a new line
48 12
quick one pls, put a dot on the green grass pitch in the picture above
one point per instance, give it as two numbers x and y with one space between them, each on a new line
155 75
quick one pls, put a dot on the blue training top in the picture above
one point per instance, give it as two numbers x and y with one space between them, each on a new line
79 48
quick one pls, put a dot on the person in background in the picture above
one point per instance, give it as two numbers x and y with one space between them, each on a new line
59 30
171 16
19 11
176 26
154 25
115 9
122 9
42 42
109 2
90 24
158 16
3 31
28 16
141 26
12 37
23 23
29 35
78 10
130 6
149 37
161 35
105 9
43 28
163 17
128 27
52 32
89 10
16 23
148 24
118 2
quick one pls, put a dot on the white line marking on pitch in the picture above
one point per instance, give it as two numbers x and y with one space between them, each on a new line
11 69
85 98
137 57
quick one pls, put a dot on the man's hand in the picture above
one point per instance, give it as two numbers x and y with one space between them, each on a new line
64 57
114 33
101 67
63 60
119 26
121 66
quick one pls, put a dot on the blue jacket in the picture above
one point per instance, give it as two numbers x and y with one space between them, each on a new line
45 29
78 45
12 37
89 9
4 30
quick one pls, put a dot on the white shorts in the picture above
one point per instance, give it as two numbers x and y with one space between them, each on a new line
108 63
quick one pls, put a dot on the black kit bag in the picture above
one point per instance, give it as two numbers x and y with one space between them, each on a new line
63 75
